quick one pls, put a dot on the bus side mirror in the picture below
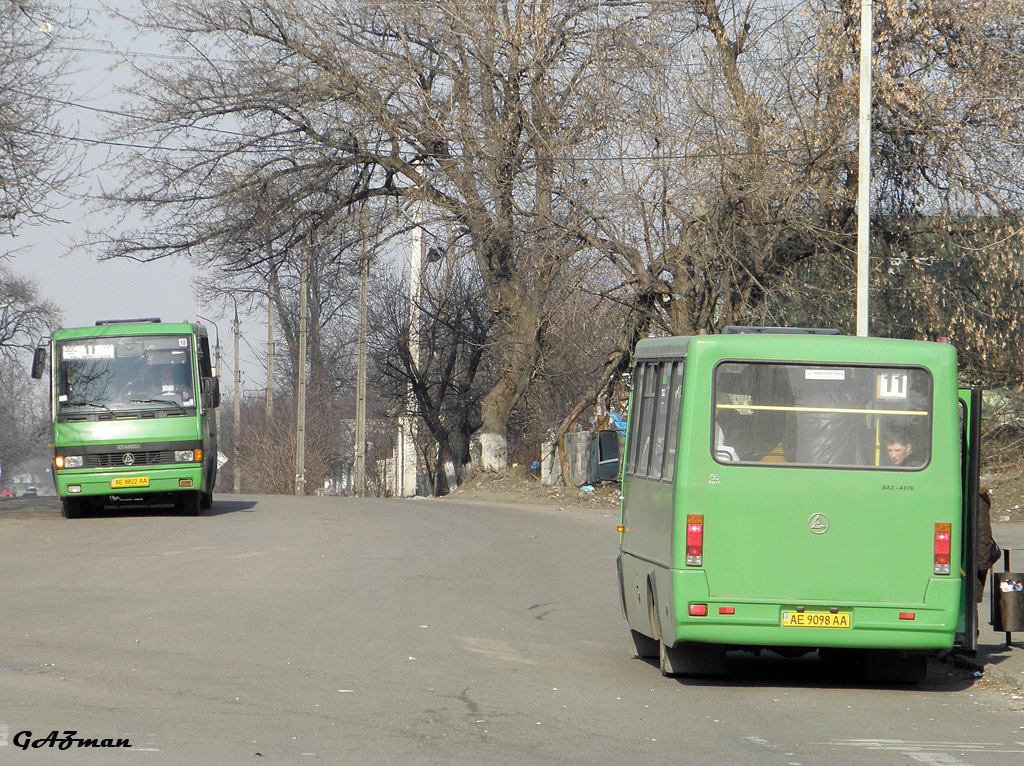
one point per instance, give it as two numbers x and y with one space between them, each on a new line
211 387
39 362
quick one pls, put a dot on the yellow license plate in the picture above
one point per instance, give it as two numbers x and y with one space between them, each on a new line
815 620
129 481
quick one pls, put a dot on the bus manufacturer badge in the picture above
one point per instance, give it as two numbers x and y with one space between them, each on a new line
818 523
128 459
713 479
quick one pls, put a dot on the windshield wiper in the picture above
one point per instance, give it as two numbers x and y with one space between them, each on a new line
88 404
159 401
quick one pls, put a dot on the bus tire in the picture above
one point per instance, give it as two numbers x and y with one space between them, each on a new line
71 507
644 647
189 503
205 501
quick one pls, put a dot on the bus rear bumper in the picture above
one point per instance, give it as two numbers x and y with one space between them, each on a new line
759 622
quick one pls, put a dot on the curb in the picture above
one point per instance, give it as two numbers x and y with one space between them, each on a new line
994 672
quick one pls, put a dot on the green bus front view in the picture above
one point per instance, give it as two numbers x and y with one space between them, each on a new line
796 492
133 404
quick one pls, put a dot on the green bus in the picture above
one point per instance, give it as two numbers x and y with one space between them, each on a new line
133 404
766 503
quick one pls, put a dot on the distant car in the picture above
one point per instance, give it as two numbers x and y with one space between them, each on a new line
31 492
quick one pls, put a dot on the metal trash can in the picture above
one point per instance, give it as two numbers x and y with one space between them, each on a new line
1008 602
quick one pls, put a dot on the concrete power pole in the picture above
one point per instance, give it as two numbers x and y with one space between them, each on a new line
864 172
364 270
300 419
271 287
407 428
236 471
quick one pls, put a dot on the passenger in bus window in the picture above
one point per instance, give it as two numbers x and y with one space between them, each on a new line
901 450
723 452
173 381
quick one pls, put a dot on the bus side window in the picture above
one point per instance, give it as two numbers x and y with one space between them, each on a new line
633 420
676 395
660 419
648 402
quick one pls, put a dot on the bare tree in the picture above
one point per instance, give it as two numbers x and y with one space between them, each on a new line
740 188
473 110
24 316
35 158
454 366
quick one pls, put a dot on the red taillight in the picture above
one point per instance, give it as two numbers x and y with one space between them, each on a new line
727 610
907 615
694 540
698 610
943 546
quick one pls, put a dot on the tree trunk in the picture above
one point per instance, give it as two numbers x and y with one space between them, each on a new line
521 345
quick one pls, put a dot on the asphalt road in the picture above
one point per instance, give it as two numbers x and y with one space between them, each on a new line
340 631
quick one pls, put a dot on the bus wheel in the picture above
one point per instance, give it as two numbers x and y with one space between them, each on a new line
206 501
71 507
189 503
644 647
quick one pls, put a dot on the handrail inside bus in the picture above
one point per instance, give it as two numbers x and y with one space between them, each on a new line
836 410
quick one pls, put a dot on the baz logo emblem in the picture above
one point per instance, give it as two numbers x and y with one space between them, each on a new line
818 523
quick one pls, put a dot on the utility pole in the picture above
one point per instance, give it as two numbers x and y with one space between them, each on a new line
236 472
364 270
407 427
271 289
864 172
300 419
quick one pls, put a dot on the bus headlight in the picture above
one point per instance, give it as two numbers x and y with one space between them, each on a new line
68 461
184 456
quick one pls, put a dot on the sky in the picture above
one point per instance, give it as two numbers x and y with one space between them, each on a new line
83 287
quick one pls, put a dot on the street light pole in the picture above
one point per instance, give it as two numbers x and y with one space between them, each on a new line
864 172
300 419
407 430
364 268
271 290
236 471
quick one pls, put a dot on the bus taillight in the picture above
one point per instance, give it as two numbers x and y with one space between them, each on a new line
694 540
943 540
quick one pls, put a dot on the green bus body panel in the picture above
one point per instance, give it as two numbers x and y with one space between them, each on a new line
194 430
108 330
760 556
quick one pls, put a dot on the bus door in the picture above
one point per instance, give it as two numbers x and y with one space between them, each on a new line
970 464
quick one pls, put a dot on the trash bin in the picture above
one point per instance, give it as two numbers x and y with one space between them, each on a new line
604 456
1008 602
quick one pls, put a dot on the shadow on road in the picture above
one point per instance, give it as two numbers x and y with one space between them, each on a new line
220 508
27 507
743 669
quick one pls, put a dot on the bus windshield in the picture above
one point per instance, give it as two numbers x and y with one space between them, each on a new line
845 416
118 373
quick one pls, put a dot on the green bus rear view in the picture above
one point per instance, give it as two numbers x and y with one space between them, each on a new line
133 405
797 492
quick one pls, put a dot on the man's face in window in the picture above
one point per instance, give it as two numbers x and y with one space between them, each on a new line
898 452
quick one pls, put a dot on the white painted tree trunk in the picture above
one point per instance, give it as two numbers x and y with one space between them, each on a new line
493 452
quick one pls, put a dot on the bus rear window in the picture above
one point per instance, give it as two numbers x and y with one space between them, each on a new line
843 416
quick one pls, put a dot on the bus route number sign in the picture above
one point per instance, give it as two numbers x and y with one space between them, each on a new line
815 620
